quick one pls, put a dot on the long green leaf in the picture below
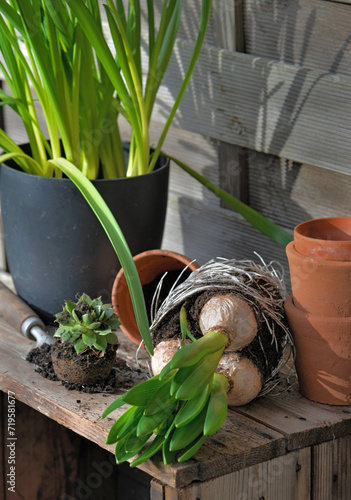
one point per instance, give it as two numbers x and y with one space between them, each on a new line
118 241
258 221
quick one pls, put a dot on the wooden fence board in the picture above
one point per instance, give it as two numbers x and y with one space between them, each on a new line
283 478
313 33
265 105
332 470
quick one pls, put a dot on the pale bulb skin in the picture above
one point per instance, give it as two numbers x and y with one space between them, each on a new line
163 353
245 380
231 315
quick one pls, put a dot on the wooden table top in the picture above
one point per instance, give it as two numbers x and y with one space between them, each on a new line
266 428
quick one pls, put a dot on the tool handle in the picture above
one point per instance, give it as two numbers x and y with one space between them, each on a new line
16 312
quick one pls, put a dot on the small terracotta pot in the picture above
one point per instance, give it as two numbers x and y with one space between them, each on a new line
328 238
320 287
151 265
94 369
323 355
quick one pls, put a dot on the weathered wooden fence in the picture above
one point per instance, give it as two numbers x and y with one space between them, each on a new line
267 116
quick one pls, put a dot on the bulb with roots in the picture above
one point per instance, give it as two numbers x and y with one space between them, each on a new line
231 315
245 380
164 352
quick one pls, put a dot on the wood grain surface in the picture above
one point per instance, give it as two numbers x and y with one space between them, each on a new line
263 430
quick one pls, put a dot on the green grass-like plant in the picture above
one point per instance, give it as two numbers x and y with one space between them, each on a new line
47 59
82 85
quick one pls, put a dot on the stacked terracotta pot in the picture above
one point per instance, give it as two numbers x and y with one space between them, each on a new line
319 309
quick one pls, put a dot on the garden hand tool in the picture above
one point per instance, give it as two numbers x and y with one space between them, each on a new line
21 317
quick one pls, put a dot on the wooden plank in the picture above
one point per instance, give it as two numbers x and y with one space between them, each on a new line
252 434
232 161
332 470
203 232
347 2
283 478
267 106
225 28
45 462
156 490
66 466
310 33
240 442
303 422
291 193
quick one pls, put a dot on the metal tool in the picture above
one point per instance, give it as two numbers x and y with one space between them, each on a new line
20 316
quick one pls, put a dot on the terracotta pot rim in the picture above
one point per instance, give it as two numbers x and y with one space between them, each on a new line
122 300
340 320
325 238
291 249
160 253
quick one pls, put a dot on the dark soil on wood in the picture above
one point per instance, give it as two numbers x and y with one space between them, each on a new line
123 377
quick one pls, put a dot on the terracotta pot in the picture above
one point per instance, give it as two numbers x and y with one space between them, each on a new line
151 266
327 239
321 287
82 369
323 355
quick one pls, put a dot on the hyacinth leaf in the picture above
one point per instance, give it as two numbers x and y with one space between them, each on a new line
118 241
131 423
114 406
218 405
134 444
149 423
192 408
198 350
183 436
167 455
200 378
150 451
140 394
160 400
192 448
120 425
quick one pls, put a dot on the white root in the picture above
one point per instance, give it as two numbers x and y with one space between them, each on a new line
245 380
231 315
163 353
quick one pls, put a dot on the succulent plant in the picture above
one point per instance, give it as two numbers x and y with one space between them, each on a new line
88 323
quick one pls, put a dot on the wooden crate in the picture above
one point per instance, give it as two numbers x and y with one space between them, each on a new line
275 448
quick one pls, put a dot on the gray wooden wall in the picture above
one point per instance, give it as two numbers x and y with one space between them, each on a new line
267 116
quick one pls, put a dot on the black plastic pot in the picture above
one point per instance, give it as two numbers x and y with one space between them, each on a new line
56 247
